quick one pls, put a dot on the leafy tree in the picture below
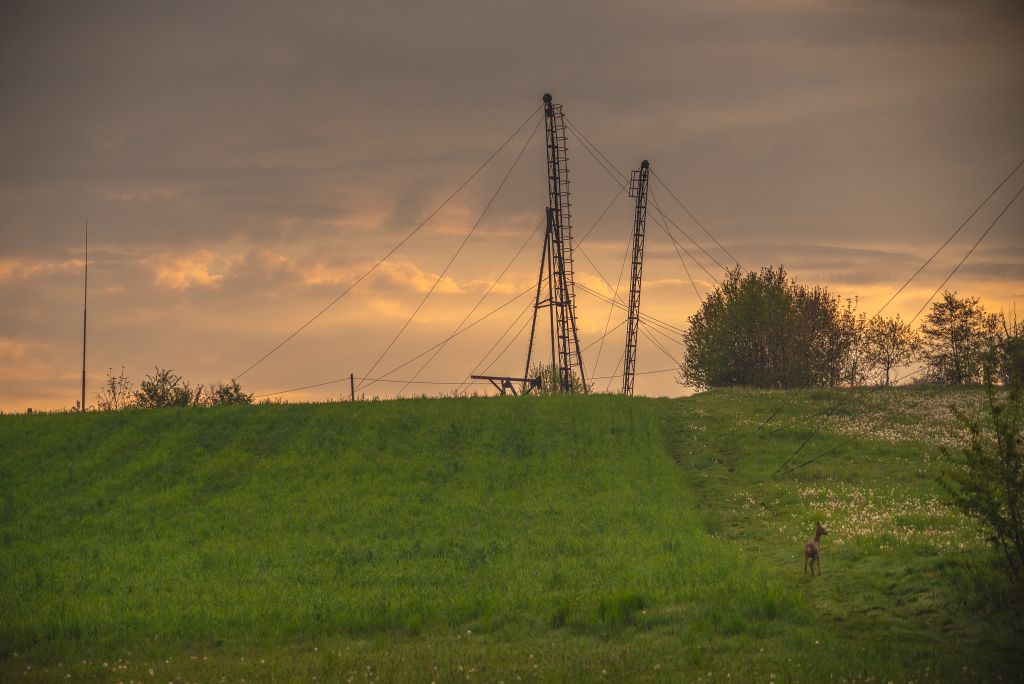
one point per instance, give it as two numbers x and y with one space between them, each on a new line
1008 350
551 381
116 393
888 343
843 337
763 329
988 481
220 393
956 335
164 388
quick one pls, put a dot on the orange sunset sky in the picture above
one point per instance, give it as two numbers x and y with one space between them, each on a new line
241 163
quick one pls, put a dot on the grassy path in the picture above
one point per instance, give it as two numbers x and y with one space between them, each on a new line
906 591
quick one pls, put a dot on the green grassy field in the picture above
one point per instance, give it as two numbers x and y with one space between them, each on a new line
495 540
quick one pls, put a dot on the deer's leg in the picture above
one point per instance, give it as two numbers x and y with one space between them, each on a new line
805 564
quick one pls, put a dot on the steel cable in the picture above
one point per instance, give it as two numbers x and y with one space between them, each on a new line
454 256
393 249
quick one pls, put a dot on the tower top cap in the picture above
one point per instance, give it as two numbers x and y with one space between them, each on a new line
644 164
547 98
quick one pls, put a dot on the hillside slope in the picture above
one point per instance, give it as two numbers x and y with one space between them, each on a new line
281 524
548 538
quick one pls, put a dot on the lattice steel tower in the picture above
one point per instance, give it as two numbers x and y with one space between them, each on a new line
637 189
557 259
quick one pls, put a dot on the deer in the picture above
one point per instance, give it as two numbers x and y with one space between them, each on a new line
812 549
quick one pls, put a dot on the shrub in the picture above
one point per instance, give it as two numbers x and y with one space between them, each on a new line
164 388
116 393
987 482
551 381
1007 354
220 393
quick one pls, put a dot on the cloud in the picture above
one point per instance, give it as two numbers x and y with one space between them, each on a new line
998 271
27 368
412 204
26 269
665 283
405 274
235 187
194 270
12 349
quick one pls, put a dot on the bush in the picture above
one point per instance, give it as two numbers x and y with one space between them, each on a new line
116 393
551 381
988 481
220 393
1007 354
164 388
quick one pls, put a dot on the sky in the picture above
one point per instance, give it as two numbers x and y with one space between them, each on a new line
242 164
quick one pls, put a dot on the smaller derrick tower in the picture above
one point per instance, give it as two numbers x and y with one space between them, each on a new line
637 189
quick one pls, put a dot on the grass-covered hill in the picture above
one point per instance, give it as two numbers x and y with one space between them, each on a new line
493 539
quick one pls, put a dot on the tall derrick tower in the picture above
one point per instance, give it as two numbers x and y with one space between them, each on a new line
556 268
637 189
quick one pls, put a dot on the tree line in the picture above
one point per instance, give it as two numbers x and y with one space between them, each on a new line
764 329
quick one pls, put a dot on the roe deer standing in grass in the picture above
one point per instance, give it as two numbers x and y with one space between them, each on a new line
812 549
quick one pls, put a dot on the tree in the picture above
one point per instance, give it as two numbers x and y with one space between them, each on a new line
221 393
987 482
763 329
956 335
843 337
116 393
888 343
164 388
1008 350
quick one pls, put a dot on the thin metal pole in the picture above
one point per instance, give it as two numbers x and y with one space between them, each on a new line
352 385
85 310
551 294
536 303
